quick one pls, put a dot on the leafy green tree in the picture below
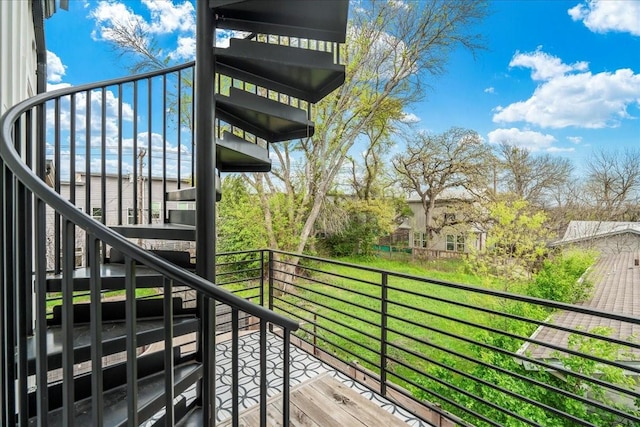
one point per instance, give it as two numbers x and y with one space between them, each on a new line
367 220
516 242
237 212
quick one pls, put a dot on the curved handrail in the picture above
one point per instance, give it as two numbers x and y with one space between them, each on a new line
30 180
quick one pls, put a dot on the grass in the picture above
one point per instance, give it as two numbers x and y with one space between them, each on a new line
426 323
55 298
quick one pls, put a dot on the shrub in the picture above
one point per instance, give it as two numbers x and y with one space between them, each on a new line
560 278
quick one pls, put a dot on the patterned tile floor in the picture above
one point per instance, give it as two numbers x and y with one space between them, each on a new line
303 367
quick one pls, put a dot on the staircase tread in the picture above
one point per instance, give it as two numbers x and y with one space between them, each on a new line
263 117
182 195
163 231
234 154
111 276
150 397
113 338
303 73
192 419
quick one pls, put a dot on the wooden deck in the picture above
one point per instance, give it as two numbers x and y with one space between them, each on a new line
322 402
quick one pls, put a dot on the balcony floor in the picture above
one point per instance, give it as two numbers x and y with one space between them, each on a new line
309 377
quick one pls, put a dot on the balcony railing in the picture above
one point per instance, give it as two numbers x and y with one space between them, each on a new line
456 354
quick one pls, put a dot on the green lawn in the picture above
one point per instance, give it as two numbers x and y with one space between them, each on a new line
424 322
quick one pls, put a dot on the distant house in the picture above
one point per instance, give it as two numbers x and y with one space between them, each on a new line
456 236
109 214
608 237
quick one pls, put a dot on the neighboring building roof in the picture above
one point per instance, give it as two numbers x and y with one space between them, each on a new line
616 290
579 231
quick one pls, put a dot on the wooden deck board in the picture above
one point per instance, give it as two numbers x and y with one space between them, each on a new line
322 402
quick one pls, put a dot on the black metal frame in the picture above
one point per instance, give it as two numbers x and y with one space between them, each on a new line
23 185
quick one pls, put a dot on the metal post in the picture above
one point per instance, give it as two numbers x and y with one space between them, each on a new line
262 278
205 196
383 336
271 280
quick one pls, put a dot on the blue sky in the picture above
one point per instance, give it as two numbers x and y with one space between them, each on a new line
559 77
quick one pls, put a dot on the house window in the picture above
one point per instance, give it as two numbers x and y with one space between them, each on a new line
419 239
449 217
455 243
131 217
96 213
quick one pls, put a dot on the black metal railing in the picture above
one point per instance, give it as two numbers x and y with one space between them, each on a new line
29 207
462 355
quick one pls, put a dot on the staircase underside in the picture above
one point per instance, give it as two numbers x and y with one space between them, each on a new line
313 19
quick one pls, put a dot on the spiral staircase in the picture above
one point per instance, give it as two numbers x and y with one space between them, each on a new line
71 356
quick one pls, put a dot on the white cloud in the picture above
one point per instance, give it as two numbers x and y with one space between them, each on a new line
167 17
55 68
544 66
570 95
575 139
108 14
490 89
605 16
532 141
186 49
409 118
111 117
560 150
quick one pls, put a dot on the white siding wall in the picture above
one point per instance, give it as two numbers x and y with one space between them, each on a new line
625 242
417 222
18 60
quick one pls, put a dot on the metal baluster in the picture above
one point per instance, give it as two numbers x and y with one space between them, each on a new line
135 153
286 337
179 126
28 214
383 334
22 274
263 372
103 169
72 148
120 103
87 165
169 416
235 364
164 145
56 165
149 151
132 361
8 309
95 284
68 247
40 251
